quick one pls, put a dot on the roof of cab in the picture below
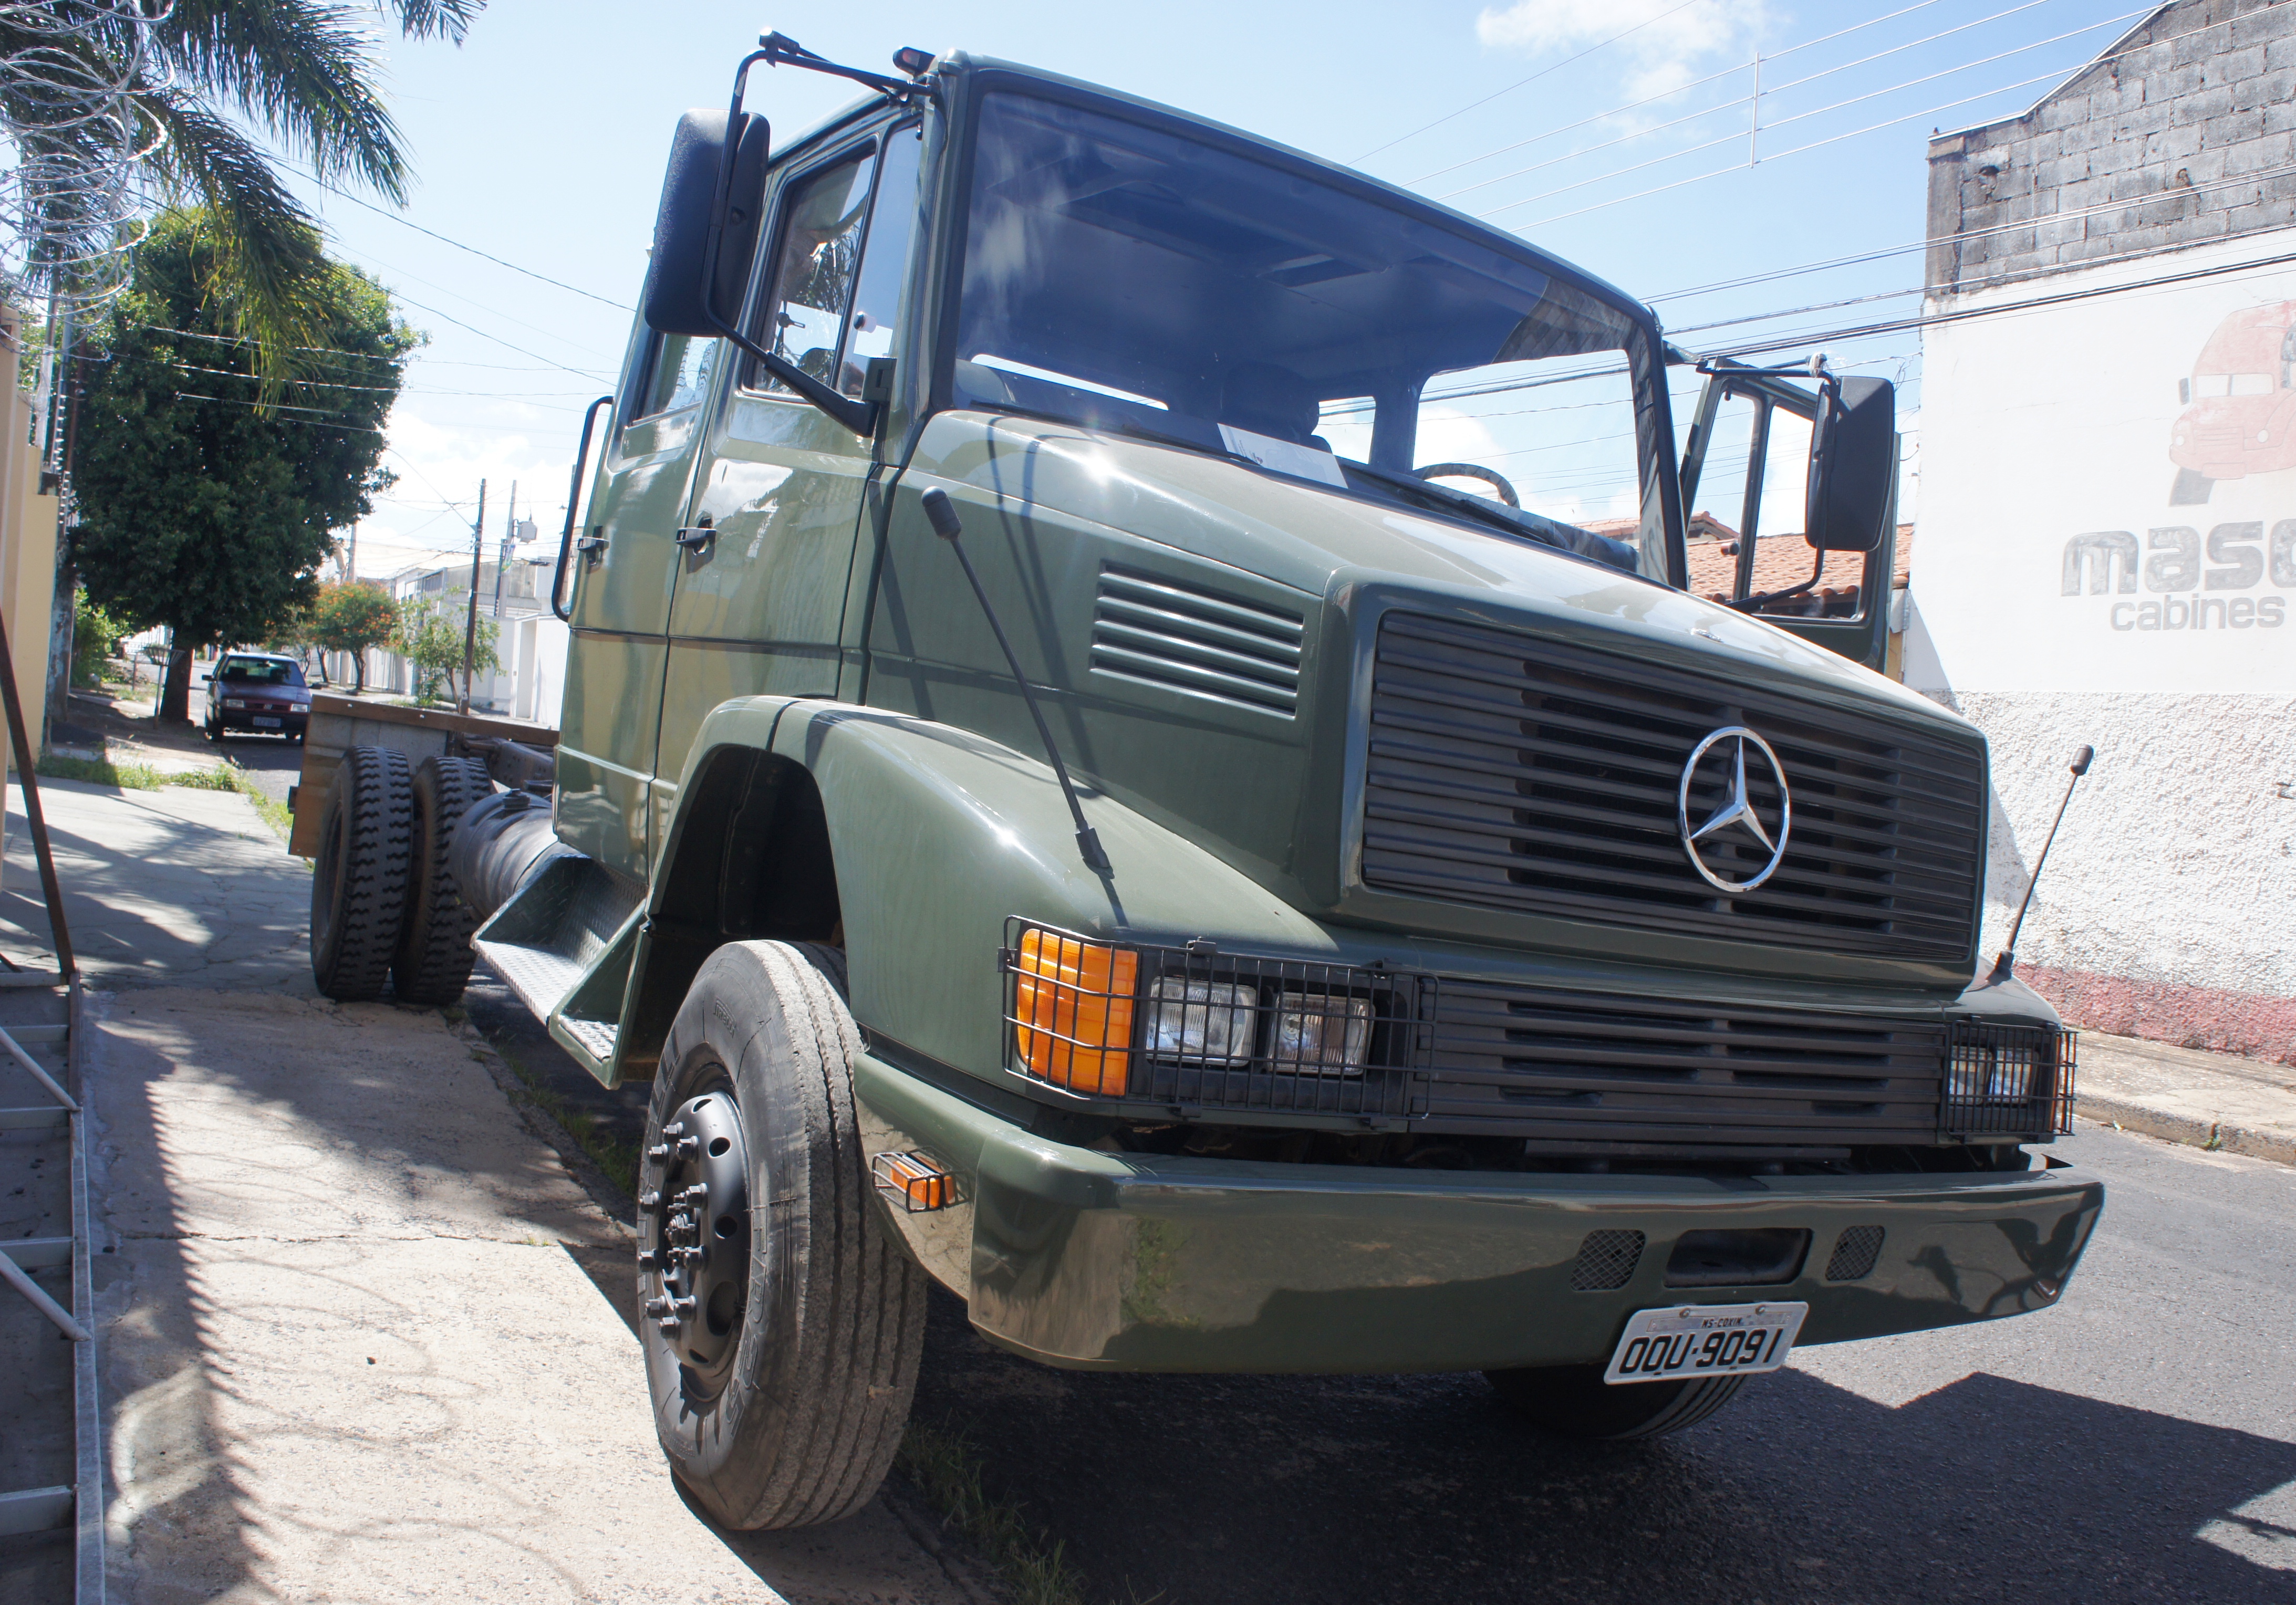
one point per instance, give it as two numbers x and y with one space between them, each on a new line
959 62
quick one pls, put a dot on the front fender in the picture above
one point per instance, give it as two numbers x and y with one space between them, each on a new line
938 834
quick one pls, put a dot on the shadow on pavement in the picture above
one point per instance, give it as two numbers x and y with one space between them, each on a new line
1256 1490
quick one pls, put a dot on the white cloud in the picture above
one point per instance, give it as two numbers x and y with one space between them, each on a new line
1675 44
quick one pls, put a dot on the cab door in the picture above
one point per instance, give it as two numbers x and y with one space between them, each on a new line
769 543
619 616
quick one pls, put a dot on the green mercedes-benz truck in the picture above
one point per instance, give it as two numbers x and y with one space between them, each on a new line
1136 746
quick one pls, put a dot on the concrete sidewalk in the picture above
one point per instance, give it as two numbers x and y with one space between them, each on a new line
363 1336
2214 1100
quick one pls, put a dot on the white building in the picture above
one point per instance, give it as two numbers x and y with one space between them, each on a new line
2108 518
530 642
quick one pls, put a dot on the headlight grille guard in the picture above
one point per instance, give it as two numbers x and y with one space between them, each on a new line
1077 1013
1065 1018
2008 1081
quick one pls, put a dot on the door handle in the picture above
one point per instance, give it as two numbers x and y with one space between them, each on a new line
697 537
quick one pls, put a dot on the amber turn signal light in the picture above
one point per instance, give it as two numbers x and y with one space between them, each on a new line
913 1182
1072 1009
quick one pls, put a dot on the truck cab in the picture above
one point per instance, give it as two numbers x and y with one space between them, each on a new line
1103 766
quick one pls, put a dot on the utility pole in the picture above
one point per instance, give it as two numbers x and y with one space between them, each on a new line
350 561
470 627
502 560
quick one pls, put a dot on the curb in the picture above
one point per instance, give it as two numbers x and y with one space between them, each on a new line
2213 1136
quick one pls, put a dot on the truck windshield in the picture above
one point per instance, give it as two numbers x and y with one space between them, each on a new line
1130 278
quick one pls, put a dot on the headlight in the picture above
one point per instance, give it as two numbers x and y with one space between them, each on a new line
234 703
1988 1073
1319 1035
1200 1022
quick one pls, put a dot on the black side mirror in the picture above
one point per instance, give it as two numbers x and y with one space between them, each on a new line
687 224
1853 466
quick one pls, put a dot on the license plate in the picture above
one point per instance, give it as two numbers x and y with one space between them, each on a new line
261 722
1688 1341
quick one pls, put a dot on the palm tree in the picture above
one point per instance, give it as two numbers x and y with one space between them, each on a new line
95 93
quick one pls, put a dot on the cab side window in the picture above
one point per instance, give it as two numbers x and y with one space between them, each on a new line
835 289
816 260
680 375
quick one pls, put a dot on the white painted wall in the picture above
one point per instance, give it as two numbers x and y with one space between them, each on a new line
2177 859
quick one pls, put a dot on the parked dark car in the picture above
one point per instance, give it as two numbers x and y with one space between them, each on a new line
257 692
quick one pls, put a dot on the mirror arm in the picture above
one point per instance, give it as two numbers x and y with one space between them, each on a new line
564 610
1747 604
859 416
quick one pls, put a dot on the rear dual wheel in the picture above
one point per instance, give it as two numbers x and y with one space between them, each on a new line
432 962
358 876
781 1328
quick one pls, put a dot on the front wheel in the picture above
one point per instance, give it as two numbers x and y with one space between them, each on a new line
1574 1401
781 1328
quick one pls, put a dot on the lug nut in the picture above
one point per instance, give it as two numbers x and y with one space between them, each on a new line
686 1257
647 1261
655 1308
693 1195
648 1199
675 1128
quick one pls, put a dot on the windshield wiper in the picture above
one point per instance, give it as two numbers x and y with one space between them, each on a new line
1568 539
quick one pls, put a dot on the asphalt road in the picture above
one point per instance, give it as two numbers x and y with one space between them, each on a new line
2135 1443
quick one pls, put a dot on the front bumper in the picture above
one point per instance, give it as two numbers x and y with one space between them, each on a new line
1125 1262
292 722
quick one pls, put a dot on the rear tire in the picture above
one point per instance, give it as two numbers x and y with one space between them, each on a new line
434 962
1575 1402
782 1349
358 880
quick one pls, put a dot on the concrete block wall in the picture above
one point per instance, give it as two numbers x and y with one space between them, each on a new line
2182 132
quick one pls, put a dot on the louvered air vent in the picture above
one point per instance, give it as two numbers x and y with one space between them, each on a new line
1182 637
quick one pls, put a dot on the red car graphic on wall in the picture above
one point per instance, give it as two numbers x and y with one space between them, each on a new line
2239 403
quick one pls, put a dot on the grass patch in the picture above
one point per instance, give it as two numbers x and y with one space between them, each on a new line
101 772
132 776
947 1471
611 1154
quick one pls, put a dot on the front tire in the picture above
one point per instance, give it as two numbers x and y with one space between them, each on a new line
1575 1402
781 1328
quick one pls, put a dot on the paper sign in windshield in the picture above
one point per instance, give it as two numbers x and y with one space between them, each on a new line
1284 457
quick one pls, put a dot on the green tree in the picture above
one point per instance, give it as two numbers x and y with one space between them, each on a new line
96 635
204 79
430 638
202 508
352 618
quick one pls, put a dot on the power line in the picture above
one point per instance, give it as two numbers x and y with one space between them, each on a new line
2060 75
1756 99
1733 135
1668 94
2231 181
447 240
1964 314
1533 78
497 339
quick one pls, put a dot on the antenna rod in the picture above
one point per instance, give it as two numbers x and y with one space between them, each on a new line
942 515
2003 966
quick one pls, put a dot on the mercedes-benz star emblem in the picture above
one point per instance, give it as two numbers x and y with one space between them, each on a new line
1735 819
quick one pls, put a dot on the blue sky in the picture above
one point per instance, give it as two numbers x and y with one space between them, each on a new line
540 141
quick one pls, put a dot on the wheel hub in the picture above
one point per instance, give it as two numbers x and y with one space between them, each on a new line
696 1271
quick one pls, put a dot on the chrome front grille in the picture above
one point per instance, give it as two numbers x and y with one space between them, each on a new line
1158 631
1517 773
